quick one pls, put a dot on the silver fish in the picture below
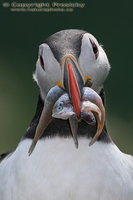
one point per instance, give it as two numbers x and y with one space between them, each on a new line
63 108
89 94
91 106
46 116
88 117
91 110
87 112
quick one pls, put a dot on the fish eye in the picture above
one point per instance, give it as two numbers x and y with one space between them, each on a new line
93 119
60 104
59 108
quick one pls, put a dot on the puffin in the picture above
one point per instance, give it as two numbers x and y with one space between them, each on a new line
67 152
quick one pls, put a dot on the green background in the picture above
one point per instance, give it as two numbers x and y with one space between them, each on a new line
20 35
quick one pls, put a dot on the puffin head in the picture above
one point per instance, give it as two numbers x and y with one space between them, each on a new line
70 58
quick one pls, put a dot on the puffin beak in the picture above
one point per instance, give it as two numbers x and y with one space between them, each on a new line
73 80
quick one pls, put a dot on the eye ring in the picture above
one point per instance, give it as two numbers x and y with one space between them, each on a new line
95 48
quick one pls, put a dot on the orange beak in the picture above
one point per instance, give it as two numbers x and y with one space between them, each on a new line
73 80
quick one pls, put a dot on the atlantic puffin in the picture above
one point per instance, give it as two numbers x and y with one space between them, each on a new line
56 169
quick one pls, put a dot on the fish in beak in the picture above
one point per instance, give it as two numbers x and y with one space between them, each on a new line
63 108
72 80
46 116
96 107
91 107
80 102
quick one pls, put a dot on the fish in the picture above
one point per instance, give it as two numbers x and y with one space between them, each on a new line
63 108
87 112
46 116
88 117
58 104
88 94
91 107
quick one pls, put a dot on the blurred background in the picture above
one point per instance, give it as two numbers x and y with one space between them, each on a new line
20 35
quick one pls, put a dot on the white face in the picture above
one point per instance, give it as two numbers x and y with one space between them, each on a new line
48 71
96 67
92 61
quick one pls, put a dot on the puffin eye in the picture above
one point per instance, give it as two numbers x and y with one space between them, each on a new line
41 62
95 49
